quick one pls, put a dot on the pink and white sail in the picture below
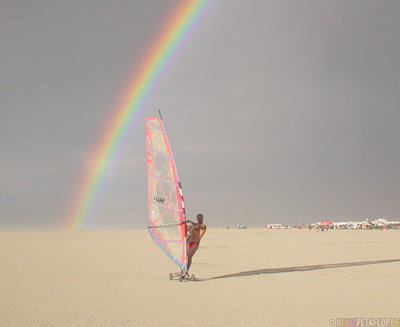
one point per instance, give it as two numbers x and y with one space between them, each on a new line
166 212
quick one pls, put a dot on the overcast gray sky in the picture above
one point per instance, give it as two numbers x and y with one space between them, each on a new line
278 111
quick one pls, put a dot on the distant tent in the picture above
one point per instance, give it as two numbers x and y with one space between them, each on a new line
326 223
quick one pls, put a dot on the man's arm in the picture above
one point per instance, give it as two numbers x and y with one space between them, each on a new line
197 225
202 230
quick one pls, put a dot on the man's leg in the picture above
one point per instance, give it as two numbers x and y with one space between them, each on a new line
192 250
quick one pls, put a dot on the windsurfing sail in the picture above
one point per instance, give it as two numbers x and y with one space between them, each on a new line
166 212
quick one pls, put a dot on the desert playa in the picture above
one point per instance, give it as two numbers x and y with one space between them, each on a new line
253 277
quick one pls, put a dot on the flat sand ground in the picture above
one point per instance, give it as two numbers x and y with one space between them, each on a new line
253 277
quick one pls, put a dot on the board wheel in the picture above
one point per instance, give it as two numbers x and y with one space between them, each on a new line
171 276
180 278
192 278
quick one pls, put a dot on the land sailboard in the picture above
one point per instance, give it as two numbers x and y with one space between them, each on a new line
166 211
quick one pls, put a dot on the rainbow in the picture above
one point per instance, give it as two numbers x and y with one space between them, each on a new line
144 79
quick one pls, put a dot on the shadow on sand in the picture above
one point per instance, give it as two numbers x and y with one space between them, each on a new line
300 268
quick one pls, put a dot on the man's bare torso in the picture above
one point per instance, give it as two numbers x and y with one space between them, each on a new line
197 232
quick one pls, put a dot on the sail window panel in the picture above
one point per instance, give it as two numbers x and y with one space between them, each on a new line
158 141
163 216
164 194
163 167
160 216
156 122
167 234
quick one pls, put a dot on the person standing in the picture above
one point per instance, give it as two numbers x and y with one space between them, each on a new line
196 232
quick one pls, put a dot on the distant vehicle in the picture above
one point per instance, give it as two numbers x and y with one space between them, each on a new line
241 227
380 223
342 225
356 225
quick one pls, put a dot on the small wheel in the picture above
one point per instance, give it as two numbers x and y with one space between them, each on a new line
171 277
192 278
180 278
